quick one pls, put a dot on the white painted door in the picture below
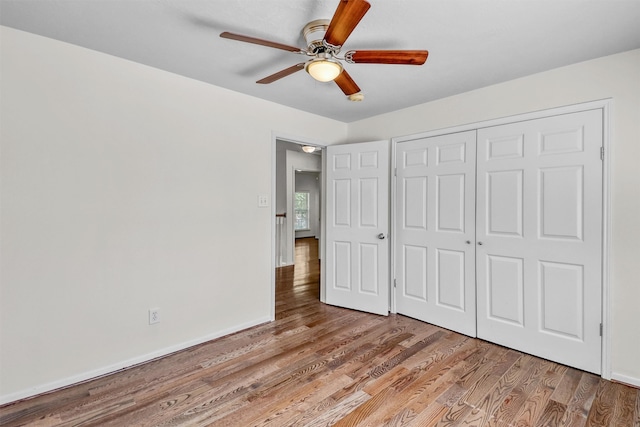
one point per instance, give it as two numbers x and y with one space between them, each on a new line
357 222
435 231
539 237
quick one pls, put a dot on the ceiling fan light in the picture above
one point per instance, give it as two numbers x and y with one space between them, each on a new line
323 70
308 148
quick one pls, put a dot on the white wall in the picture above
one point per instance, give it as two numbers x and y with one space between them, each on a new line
616 77
123 188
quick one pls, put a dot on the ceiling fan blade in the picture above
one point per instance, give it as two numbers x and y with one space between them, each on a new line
247 39
346 83
282 73
345 19
403 57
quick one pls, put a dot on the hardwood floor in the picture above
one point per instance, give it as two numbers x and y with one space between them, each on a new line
318 365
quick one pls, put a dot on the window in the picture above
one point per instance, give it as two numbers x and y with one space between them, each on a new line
301 210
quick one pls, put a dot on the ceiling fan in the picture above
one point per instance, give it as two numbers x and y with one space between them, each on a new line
325 39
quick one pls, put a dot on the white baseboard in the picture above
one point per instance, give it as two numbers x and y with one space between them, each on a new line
632 381
284 264
84 376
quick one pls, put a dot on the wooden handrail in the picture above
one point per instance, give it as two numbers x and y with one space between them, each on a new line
283 215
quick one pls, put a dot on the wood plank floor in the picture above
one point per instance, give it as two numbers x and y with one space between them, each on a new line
318 365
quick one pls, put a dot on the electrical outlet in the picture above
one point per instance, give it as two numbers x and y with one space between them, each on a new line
154 315
263 201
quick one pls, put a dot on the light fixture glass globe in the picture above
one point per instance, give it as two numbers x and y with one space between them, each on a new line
324 70
308 148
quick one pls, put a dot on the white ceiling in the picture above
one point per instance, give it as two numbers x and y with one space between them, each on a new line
471 43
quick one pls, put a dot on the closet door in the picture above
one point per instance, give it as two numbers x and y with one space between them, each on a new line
435 225
539 237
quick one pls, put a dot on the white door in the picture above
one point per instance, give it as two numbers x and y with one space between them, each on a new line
357 223
539 237
435 231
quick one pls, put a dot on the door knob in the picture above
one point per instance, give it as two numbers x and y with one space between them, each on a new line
480 243
381 236
468 242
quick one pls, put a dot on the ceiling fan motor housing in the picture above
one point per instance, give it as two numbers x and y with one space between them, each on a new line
314 33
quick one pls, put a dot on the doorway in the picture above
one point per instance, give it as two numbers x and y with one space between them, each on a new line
289 159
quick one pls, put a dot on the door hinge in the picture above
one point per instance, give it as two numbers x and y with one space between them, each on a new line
394 283
601 153
395 171
600 329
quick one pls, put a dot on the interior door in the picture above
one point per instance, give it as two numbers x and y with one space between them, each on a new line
357 224
539 237
435 231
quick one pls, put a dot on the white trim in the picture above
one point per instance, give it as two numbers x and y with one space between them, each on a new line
280 136
606 106
393 230
607 137
272 291
567 109
625 379
111 369
323 228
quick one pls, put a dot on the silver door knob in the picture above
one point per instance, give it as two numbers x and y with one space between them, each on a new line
468 242
480 243
381 236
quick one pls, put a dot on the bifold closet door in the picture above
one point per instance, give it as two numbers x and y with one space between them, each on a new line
435 226
539 237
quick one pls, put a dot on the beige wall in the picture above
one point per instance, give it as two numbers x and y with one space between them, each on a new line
124 188
616 77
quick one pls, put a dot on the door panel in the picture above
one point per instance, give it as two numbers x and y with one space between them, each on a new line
414 193
435 206
368 202
415 272
505 287
342 265
342 202
368 264
562 291
357 214
539 207
504 204
450 278
561 202
450 202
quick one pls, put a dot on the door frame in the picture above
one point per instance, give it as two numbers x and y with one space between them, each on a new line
605 105
275 137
